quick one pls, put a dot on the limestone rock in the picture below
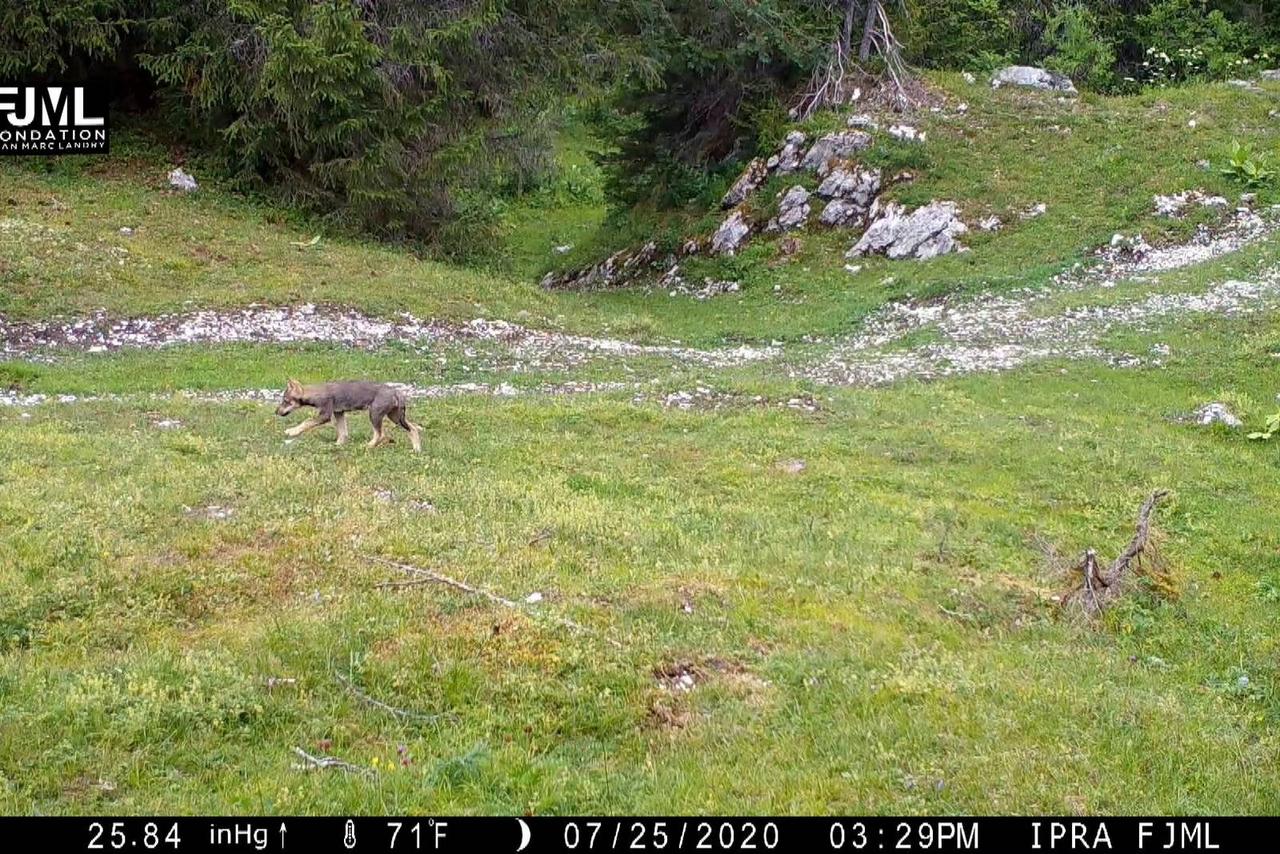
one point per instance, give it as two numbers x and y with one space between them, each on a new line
842 213
925 233
181 180
748 182
852 191
1270 74
1034 78
853 183
793 210
839 145
1217 413
617 269
731 234
788 158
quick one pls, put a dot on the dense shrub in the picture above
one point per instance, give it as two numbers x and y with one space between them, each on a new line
1102 44
720 73
1187 40
1076 47
401 116
973 34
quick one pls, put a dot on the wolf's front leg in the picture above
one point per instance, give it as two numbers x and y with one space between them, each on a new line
294 432
340 422
310 424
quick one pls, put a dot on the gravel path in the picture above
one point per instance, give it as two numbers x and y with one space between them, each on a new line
311 323
982 333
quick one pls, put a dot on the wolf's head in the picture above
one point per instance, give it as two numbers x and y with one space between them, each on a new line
291 399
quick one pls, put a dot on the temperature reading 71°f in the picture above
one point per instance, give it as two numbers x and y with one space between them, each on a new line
413 834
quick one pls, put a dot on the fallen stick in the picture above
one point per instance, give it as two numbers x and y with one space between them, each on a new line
440 578
412 582
321 763
403 714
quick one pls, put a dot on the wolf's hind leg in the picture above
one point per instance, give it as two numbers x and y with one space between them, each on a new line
375 417
415 431
340 422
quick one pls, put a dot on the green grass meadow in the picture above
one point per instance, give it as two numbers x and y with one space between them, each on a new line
876 631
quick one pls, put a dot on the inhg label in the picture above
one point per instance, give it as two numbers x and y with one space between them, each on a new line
52 119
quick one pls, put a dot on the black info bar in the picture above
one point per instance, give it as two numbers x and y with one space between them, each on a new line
544 834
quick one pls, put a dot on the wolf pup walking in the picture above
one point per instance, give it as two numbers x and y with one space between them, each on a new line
333 401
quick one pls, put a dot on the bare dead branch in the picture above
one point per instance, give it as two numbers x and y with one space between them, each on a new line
1141 541
322 763
410 582
839 80
1098 587
441 578
403 714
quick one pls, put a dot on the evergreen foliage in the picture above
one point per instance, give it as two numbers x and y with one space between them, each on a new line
411 119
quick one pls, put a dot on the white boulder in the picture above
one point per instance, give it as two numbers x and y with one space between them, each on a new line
1034 78
181 180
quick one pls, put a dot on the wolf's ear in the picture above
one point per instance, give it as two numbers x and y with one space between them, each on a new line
293 385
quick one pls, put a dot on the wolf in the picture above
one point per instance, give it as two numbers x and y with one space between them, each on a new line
332 402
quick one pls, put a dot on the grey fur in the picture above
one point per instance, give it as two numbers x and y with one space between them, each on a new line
333 400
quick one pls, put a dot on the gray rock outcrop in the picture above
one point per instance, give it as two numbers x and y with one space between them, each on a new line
847 181
615 270
1034 78
852 191
787 160
842 213
926 232
836 146
748 182
731 234
793 210
1217 413
180 179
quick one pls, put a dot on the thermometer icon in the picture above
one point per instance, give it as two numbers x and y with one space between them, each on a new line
349 839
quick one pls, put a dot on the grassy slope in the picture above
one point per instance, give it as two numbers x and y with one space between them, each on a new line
1011 150
882 617
1095 162
874 633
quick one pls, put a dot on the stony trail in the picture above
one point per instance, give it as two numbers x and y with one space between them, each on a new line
530 348
964 334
